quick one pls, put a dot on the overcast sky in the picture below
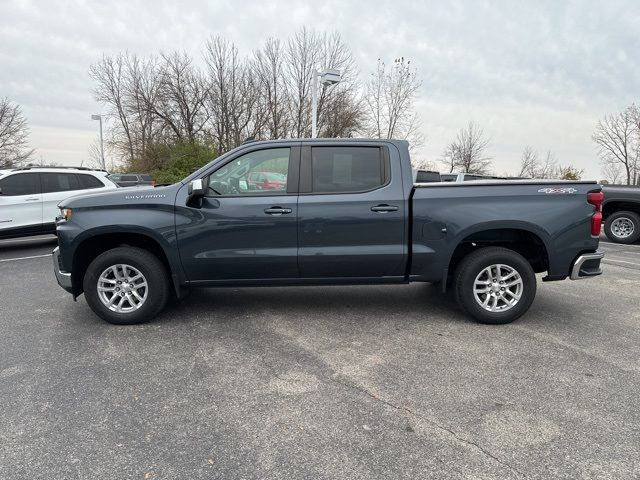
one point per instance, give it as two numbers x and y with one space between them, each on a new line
537 73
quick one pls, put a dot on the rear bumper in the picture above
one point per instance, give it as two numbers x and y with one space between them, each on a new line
587 265
63 278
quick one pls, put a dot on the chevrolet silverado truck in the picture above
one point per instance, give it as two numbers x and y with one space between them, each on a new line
621 213
347 212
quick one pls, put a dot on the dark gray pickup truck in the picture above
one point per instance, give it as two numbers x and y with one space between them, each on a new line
319 212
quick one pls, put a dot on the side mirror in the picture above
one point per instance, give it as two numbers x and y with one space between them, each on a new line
196 188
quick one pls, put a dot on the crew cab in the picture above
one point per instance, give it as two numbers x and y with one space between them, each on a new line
29 196
348 212
621 213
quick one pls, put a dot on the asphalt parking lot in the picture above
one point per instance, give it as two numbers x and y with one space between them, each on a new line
333 382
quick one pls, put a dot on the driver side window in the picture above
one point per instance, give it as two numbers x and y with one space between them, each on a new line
262 172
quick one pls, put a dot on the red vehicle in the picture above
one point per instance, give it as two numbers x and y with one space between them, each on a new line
266 181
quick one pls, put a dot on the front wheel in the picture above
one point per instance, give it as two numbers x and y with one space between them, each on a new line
495 285
126 285
622 227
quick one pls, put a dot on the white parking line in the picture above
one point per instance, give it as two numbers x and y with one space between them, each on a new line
24 258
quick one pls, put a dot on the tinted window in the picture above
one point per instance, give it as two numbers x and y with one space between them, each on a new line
346 169
59 182
263 172
20 184
89 181
128 178
424 176
146 178
115 178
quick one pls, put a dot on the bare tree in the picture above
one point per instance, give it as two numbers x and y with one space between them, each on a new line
181 96
339 112
141 96
268 65
95 155
14 134
532 166
617 137
112 83
233 96
303 52
41 162
389 98
156 102
528 162
612 172
467 152
422 163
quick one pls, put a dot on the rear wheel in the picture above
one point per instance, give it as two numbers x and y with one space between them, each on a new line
126 285
622 227
495 285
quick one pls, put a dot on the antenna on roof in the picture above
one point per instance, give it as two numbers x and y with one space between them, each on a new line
249 140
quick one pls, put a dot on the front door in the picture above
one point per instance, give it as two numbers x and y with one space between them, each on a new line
244 229
351 212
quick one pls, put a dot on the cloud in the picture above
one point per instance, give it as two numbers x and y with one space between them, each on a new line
538 73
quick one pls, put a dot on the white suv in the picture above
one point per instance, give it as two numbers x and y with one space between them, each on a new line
29 196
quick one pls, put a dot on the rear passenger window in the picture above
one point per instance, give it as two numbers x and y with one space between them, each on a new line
59 182
128 178
89 181
346 169
20 184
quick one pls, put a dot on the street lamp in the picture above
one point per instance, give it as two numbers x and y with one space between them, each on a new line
327 78
99 117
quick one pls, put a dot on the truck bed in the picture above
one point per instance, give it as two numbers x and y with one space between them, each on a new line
553 213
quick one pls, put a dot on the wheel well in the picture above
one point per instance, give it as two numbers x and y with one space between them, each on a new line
94 246
610 208
526 243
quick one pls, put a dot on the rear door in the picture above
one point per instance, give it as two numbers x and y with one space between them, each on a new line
351 212
20 202
239 231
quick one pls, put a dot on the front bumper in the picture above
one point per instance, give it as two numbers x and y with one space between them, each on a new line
587 265
63 278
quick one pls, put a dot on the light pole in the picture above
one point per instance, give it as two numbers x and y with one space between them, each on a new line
327 78
99 117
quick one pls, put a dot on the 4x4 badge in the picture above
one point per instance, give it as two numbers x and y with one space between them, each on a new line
557 190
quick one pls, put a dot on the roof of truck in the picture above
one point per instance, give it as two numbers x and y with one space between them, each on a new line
325 140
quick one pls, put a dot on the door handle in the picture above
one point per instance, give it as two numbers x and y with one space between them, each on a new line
277 211
384 208
31 199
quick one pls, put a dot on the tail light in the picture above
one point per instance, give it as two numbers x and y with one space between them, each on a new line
596 199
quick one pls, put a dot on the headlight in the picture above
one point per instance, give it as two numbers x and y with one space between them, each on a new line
65 213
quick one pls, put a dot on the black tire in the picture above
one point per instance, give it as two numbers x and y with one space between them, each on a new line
473 264
146 263
614 234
